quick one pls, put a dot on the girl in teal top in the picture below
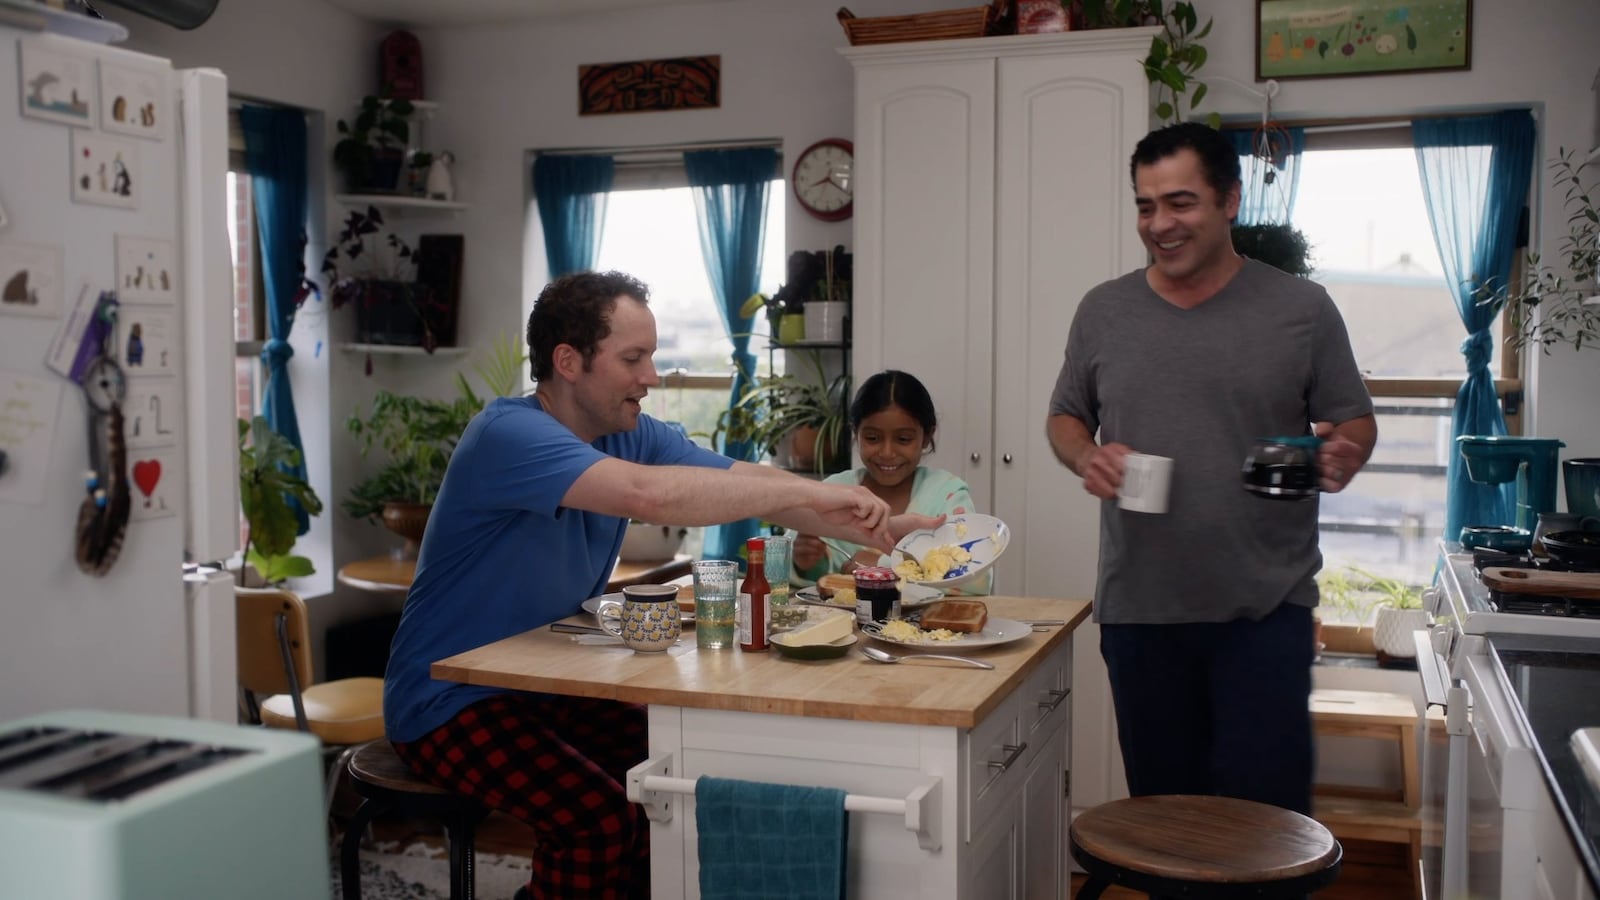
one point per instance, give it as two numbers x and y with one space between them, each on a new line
893 421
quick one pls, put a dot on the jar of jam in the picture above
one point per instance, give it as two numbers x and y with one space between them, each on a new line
877 594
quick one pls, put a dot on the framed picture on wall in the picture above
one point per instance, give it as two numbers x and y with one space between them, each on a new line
1334 38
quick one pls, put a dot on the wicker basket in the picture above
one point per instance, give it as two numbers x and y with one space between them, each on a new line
971 21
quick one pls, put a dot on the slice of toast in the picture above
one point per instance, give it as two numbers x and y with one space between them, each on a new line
834 581
956 615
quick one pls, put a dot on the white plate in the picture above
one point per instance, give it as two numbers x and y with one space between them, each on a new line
911 596
592 606
995 632
985 537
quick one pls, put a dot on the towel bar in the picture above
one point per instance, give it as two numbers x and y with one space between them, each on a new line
650 785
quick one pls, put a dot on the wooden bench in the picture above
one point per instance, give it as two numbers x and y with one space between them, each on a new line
1388 815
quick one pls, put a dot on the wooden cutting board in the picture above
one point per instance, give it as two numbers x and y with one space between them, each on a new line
1579 585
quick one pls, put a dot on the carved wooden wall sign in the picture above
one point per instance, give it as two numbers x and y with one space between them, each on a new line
685 82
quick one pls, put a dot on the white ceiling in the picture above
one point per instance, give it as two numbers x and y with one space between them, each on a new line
421 13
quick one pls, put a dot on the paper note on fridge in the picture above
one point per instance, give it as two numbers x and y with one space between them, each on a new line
67 355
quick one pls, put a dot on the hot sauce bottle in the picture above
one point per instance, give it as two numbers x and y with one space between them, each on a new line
753 598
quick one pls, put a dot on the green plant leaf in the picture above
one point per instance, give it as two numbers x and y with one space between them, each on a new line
1199 94
1163 110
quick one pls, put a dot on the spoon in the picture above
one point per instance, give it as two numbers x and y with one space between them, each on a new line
876 655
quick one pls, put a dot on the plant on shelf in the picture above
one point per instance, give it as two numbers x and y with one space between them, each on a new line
418 435
809 276
378 276
1280 246
371 149
266 487
1176 54
1392 605
798 419
1552 305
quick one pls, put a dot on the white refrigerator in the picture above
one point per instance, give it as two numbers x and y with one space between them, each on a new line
113 178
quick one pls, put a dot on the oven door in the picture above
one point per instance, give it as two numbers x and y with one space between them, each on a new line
1444 783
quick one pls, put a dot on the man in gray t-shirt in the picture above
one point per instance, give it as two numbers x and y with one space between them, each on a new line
1205 610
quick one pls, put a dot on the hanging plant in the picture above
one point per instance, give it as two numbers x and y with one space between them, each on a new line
1176 54
1281 246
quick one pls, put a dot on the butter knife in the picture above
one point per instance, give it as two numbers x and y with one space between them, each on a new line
571 628
1042 621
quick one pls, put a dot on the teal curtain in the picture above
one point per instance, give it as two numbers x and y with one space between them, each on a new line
275 155
1475 172
571 194
730 194
1275 153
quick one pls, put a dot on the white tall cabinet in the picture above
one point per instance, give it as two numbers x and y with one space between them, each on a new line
992 191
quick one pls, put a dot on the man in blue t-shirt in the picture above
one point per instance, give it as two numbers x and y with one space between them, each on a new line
526 526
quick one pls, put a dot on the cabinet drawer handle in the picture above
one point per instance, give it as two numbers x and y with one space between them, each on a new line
976 457
1049 706
1012 752
1006 459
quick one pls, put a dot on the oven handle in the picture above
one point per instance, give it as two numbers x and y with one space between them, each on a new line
1431 668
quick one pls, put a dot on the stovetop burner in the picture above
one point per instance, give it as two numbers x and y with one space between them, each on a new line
1483 557
1533 604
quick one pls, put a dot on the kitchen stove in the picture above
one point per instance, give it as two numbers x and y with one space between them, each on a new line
1468 607
1493 817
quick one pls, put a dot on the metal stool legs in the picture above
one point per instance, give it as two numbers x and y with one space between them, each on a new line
460 829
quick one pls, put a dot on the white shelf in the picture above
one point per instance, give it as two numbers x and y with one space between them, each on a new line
401 349
26 14
399 201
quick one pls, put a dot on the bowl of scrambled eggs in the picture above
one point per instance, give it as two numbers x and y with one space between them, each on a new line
955 553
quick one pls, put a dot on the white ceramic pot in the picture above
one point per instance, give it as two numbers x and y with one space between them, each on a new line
643 543
1392 631
825 321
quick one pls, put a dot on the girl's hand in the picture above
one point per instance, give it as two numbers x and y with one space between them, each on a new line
808 552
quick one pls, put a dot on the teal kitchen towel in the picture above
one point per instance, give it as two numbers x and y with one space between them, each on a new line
760 841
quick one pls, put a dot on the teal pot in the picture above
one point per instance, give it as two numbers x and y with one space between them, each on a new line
1582 481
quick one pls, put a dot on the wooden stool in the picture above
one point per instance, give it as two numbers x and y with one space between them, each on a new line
387 783
1191 846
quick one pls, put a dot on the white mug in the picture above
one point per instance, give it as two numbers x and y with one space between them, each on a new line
1146 482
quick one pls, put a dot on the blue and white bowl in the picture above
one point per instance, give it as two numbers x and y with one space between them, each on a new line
985 537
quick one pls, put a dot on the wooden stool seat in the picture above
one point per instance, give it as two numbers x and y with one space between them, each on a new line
1194 846
386 783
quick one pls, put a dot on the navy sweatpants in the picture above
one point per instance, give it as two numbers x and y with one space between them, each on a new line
1216 708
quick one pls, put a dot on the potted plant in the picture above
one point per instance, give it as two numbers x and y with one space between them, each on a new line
376 271
418 435
1552 305
372 148
1281 246
799 420
1359 597
1175 55
266 486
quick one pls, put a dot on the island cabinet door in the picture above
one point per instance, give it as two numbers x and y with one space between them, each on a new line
995 872
1042 813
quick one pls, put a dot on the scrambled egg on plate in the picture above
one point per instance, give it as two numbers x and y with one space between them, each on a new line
901 630
935 563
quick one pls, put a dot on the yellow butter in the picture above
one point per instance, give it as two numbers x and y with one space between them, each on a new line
822 626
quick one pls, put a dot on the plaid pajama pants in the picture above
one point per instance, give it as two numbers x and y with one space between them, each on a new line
557 763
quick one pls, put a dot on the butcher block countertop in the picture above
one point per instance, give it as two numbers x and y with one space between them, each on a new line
851 687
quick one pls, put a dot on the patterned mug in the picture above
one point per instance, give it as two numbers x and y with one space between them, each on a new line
646 618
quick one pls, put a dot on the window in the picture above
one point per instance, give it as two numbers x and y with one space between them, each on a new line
652 234
249 296
1361 208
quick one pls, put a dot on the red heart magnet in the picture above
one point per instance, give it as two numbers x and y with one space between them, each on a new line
146 475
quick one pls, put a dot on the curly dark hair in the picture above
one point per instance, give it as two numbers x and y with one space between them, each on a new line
1217 156
576 310
892 387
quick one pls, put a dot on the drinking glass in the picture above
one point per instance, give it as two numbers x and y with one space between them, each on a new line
716 590
780 555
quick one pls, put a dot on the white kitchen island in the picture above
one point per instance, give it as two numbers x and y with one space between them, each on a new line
979 756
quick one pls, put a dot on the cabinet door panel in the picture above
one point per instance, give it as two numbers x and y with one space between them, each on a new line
1043 821
924 267
1064 224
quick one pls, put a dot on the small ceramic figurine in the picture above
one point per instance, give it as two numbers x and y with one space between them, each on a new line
439 184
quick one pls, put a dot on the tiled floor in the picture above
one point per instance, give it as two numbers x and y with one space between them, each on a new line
1371 871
